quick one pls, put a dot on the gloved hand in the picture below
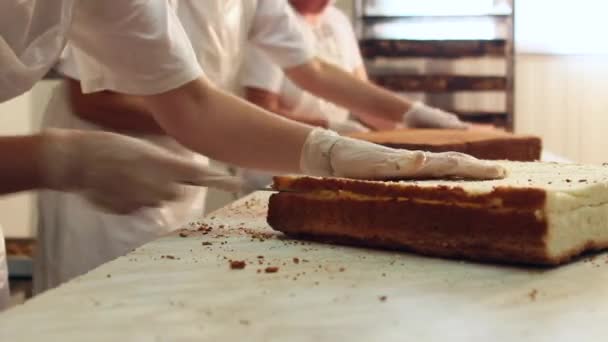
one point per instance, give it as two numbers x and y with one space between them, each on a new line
327 154
119 173
423 116
347 126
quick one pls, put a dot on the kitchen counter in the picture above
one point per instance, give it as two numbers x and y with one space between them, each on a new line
181 288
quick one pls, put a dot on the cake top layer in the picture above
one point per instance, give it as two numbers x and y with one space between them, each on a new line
528 185
436 136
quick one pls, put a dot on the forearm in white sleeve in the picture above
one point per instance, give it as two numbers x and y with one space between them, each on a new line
346 90
229 129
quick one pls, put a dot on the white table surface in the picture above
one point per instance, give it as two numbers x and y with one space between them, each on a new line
332 294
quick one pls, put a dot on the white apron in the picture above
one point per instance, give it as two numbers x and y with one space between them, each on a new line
32 35
75 237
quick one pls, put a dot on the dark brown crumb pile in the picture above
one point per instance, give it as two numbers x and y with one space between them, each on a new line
237 264
533 294
271 269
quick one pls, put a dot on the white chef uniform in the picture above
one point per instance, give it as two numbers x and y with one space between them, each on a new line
74 236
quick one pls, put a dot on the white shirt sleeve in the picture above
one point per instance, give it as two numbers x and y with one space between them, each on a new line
259 71
276 31
131 46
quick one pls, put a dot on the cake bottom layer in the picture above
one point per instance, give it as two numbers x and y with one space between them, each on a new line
474 233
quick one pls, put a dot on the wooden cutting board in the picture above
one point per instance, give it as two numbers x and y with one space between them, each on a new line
181 288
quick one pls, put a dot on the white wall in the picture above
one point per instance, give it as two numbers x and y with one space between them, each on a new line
563 99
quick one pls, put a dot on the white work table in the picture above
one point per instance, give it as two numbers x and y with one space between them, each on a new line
177 289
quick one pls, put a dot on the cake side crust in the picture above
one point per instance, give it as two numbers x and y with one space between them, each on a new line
481 144
512 236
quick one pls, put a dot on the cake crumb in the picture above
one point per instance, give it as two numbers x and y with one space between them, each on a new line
342 269
237 264
206 243
109 276
296 260
183 234
533 294
271 269
382 298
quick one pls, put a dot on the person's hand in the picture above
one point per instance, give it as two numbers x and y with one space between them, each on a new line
328 154
423 116
347 126
119 173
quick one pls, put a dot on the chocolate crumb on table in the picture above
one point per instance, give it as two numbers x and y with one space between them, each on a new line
271 269
207 243
237 264
296 260
533 294
382 298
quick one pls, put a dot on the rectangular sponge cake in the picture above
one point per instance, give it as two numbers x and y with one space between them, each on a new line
483 144
542 213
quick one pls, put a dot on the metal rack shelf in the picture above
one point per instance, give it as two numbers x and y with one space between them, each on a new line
398 30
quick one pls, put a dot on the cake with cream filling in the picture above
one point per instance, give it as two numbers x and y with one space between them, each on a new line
541 213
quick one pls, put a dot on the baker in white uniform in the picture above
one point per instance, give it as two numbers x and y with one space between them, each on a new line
269 86
218 31
140 48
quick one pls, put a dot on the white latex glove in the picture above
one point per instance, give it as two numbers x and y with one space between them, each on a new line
423 116
119 173
346 127
327 154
